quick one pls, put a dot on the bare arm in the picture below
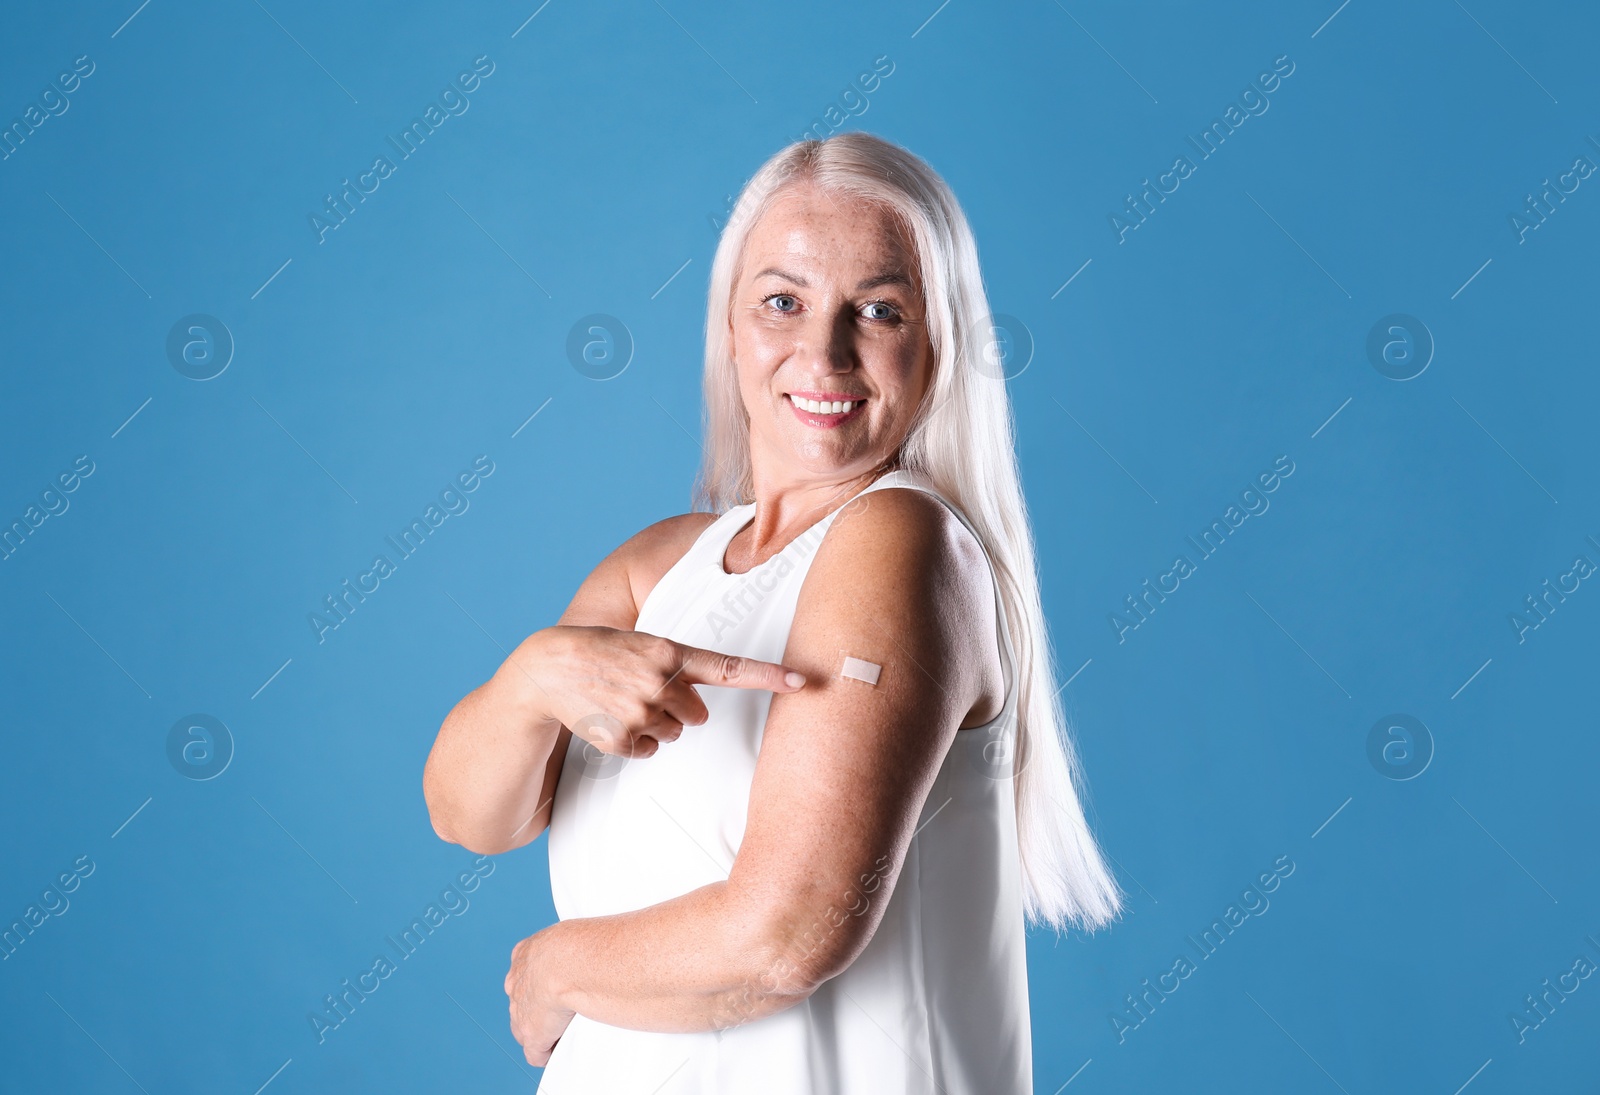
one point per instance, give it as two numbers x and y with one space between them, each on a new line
492 772
489 777
844 771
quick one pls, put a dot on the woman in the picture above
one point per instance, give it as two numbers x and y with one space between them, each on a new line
809 874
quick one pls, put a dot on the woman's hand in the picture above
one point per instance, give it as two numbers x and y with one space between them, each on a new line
628 692
537 1019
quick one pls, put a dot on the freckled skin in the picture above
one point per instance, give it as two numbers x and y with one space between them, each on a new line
845 768
828 334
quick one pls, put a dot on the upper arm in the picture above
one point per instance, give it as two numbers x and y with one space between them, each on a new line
845 767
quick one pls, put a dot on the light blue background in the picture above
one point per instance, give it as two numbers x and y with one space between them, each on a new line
375 366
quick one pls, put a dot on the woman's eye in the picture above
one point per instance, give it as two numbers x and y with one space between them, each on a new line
783 302
886 311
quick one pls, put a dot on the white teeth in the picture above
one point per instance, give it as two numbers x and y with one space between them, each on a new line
820 407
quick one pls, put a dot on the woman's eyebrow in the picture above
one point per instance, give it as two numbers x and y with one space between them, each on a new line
773 271
893 277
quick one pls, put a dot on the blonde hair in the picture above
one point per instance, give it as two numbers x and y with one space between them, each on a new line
962 442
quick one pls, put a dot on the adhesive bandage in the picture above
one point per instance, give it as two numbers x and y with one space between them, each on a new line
859 670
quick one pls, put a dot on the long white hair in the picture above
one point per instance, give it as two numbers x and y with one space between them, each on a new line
962 442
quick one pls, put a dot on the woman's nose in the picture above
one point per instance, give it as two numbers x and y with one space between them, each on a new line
830 343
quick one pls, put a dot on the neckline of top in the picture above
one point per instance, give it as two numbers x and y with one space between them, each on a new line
718 558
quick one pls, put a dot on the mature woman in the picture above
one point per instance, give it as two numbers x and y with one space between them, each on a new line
801 756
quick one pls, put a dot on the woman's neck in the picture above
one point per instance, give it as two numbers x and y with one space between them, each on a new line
784 511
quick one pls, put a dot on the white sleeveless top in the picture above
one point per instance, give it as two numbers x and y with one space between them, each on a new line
937 1002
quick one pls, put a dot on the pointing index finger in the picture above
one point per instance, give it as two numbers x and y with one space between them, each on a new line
733 671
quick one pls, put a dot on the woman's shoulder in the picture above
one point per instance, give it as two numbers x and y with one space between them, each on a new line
904 554
653 551
915 534
916 516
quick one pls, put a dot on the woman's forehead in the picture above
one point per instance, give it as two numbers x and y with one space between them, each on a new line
809 224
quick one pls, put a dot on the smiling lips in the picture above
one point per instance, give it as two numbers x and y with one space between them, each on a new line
824 410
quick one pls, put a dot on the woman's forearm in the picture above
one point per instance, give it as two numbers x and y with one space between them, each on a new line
698 962
483 778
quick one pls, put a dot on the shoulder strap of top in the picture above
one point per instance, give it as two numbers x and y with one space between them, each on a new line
712 545
708 548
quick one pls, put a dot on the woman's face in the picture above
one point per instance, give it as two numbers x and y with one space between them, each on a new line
828 309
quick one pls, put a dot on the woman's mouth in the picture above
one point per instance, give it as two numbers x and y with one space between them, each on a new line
824 410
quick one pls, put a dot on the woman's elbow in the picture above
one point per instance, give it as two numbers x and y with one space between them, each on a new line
442 815
800 950
476 843
433 797
453 827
